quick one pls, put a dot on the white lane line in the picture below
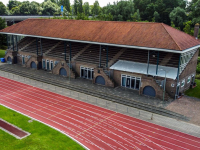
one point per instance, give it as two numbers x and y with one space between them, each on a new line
68 122
189 144
49 125
110 125
117 116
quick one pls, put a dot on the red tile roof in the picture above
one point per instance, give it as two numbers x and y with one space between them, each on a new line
152 35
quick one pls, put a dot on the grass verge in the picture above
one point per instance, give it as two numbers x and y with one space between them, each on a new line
195 92
42 137
2 53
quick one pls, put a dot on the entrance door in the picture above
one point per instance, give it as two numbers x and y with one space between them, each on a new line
100 80
63 72
177 89
9 60
130 82
48 65
51 64
43 64
33 65
23 60
149 91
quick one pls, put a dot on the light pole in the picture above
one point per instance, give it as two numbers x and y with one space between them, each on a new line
164 84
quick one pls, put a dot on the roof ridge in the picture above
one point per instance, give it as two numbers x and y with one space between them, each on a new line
95 20
171 37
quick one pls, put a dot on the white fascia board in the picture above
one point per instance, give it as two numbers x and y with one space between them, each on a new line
108 44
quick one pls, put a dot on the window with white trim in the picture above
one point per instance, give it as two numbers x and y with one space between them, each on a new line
87 73
183 83
185 58
189 79
130 82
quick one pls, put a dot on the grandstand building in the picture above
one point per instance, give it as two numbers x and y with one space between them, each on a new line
153 58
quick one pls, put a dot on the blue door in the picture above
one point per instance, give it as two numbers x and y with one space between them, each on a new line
33 65
63 72
100 80
9 59
149 91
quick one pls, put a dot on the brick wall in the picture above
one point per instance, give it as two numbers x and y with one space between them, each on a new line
99 72
188 71
63 64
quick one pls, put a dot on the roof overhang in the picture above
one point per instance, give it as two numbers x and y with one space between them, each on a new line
108 44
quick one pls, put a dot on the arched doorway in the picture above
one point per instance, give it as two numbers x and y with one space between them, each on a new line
63 72
100 80
33 65
149 91
9 59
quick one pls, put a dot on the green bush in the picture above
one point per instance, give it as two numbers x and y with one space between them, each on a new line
198 68
198 60
198 76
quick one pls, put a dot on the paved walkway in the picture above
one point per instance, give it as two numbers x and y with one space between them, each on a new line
92 126
149 117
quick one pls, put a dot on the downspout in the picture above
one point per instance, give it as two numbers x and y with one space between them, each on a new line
100 57
148 64
37 46
65 49
16 43
41 46
13 42
157 63
178 74
7 40
107 56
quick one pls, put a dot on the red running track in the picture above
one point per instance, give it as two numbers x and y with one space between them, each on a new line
92 126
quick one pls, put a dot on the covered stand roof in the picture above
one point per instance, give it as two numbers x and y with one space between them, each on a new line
139 34
141 68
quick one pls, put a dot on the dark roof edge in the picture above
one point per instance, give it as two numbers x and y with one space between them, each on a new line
109 44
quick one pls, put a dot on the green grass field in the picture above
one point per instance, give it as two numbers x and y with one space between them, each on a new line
42 137
2 53
194 92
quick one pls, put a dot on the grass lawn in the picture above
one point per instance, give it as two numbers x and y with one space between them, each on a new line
2 53
42 137
194 92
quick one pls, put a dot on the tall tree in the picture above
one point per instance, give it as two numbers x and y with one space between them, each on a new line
75 7
2 37
66 4
80 6
195 15
86 8
96 8
3 9
178 17
13 3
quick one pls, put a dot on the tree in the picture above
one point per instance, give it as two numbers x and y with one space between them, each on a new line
75 7
96 8
136 16
66 4
156 16
3 9
86 8
13 3
195 15
188 29
80 6
178 17
2 37
49 8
